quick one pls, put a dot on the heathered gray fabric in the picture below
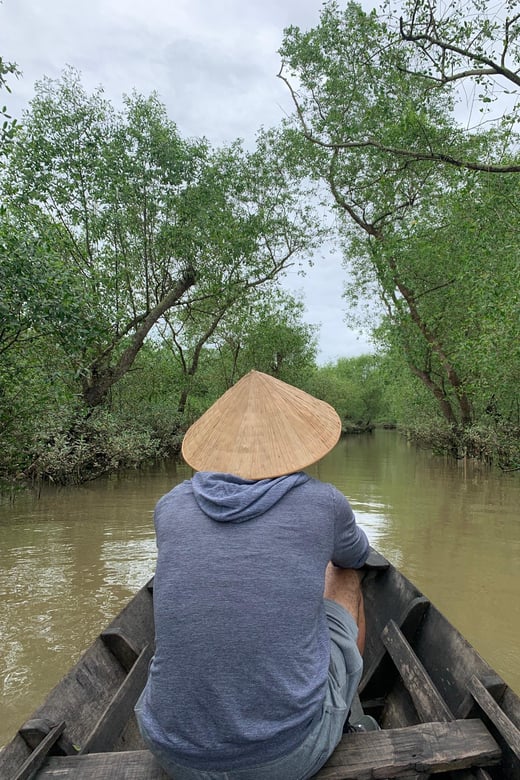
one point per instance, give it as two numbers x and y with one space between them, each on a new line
242 645
231 499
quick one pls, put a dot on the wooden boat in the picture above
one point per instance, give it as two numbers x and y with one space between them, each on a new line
442 709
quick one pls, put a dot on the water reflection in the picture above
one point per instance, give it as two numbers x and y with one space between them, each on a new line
68 563
70 560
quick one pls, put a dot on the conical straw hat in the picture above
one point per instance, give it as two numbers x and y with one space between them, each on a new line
260 428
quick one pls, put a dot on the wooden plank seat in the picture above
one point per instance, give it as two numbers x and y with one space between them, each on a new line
428 747
124 765
426 698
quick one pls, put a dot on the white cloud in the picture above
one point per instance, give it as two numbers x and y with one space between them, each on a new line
213 64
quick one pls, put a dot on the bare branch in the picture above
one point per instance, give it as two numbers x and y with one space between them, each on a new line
412 154
491 68
434 289
507 29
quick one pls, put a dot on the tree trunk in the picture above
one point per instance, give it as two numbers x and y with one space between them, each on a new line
439 394
102 377
452 376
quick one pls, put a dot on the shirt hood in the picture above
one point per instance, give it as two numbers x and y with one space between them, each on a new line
231 499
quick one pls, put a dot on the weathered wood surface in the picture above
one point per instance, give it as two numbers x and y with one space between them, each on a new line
430 747
121 646
35 730
429 703
427 700
109 727
507 729
379 673
495 685
427 748
129 765
449 658
39 754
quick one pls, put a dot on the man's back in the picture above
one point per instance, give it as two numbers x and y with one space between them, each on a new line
242 642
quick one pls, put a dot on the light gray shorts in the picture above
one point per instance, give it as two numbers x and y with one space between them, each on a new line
302 763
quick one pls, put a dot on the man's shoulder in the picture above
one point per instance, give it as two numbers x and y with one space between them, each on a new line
317 490
318 486
179 492
329 493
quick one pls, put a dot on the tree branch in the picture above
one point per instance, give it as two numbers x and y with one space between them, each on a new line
412 154
492 68
101 378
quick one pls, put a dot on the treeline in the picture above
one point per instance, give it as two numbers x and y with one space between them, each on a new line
141 272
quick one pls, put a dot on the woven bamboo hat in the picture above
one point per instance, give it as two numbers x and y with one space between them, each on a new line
260 428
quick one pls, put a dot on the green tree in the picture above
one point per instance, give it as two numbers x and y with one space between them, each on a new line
355 387
69 180
149 222
473 46
261 328
39 316
404 220
463 54
272 337
8 126
353 86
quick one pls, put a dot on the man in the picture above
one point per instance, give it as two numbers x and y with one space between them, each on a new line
257 598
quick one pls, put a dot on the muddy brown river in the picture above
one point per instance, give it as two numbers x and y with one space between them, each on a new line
71 558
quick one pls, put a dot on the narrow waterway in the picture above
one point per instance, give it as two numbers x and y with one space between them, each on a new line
70 559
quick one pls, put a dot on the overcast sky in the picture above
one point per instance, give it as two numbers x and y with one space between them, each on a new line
214 65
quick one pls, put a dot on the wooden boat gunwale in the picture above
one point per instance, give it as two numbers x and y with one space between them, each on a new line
450 706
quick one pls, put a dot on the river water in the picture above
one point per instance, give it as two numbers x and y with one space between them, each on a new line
70 559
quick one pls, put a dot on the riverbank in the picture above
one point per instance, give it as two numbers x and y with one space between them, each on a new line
495 445
94 447
105 444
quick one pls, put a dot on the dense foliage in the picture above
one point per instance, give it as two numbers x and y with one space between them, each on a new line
8 124
427 208
117 234
140 271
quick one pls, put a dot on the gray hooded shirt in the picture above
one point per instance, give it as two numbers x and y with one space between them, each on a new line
242 645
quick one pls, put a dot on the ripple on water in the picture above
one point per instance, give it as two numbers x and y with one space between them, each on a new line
70 561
